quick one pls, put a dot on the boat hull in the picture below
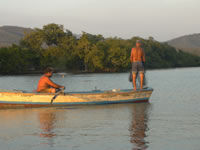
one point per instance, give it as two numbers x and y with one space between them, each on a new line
21 99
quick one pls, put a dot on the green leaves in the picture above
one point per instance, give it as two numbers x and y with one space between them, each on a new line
53 33
33 40
14 60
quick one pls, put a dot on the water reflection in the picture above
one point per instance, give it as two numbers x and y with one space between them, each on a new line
139 126
47 120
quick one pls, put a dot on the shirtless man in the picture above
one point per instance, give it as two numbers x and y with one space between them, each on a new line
137 59
45 85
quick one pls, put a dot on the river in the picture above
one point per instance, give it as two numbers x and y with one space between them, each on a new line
170 121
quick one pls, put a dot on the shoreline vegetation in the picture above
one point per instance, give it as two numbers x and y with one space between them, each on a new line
60 72
65 52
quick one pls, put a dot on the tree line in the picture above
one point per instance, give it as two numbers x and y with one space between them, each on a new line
61 49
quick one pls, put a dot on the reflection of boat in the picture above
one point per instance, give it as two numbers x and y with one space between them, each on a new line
24 99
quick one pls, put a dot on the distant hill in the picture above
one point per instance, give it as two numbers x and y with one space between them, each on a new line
187 43
11 35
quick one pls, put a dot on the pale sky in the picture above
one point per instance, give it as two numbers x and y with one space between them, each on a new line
161 19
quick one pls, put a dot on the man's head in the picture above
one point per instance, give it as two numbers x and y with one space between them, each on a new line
138 43
48 71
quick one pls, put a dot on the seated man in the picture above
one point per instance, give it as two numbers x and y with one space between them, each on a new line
45 85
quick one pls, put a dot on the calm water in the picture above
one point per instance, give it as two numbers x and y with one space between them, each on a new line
170 121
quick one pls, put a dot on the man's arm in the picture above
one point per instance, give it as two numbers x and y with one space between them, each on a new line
131 57
143 56
54 85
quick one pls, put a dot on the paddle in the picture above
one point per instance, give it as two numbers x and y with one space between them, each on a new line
56 94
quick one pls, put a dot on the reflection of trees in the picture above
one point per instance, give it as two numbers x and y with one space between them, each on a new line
138 126
47 120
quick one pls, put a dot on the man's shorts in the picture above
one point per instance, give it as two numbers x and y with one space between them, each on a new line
137 67
46 90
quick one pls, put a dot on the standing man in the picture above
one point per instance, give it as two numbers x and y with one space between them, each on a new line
45 85
137 59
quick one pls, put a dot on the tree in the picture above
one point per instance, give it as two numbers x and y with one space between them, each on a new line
15 59
95 59
53 33
59 48
82 50
33 40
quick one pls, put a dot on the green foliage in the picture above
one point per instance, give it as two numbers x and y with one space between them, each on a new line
52 46
33 40
117 55
53 33
17 60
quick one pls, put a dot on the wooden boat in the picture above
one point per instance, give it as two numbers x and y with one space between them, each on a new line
15 99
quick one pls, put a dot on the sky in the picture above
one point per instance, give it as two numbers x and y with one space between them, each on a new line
161 19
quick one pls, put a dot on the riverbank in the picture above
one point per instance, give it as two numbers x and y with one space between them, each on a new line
86 72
